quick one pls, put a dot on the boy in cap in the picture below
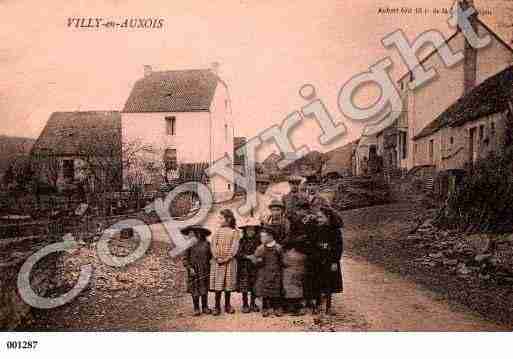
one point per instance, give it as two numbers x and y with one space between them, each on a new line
277 221
316 201
312 193
292 199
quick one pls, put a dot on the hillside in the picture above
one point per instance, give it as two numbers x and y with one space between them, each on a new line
12 147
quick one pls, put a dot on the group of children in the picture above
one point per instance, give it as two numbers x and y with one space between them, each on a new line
288 269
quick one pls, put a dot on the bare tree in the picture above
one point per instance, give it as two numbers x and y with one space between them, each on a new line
45 167
104 163
14 154
138 163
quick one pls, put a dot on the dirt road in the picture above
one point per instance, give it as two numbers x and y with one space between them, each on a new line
373 299
149 295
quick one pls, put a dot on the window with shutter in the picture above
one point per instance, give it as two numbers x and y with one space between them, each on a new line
171 126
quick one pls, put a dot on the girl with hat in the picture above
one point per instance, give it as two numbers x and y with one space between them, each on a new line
246 269
223 269
196 260
268 285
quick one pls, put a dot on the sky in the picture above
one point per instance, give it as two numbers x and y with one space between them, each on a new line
267 49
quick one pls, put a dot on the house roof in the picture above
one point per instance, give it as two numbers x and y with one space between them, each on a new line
173 91
425 58
458 30
75 133
489 97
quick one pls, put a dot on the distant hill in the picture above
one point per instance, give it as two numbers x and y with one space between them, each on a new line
339 160
11 148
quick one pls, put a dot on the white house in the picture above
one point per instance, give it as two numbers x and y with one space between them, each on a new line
185 116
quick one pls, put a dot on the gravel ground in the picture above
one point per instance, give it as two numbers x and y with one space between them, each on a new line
381 287
136 297
380 235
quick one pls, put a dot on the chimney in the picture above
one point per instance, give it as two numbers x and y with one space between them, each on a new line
214 67
147 70
470 54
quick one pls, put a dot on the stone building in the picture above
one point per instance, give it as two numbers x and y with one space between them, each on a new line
471 128
427 103
80 147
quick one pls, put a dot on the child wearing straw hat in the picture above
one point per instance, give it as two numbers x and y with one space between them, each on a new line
196 260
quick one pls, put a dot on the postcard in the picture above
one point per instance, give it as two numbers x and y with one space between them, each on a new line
255 166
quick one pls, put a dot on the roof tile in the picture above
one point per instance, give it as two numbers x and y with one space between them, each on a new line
173 91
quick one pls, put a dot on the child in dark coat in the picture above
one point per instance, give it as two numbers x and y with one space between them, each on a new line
293 273
196 261
246 269
328 253
268 257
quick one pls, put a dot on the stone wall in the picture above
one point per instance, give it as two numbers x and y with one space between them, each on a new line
45 277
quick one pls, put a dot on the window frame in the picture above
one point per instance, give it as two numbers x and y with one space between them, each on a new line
170 160
68 171
404 144
431 150
170 125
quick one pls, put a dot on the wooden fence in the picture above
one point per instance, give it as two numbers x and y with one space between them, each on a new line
58 214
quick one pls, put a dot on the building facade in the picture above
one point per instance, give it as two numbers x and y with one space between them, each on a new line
185 118
472 128
426 104
80 148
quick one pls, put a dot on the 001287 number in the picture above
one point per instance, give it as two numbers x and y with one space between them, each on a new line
22 344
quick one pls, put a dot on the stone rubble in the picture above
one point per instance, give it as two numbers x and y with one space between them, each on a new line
482 256
45 277
147 273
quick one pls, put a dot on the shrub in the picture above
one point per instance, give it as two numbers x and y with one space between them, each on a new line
484 200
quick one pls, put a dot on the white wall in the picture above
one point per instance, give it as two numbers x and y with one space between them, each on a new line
455 155
222 140
492 59
192 133
429 101
193 140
